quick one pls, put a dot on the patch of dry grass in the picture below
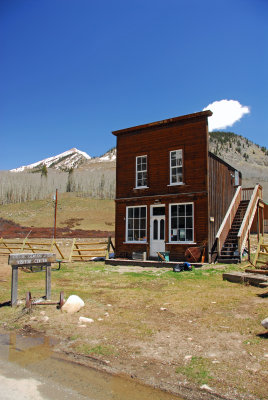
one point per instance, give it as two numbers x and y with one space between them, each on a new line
204 329
73 211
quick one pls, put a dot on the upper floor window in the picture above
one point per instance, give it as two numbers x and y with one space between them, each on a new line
176 165
141 171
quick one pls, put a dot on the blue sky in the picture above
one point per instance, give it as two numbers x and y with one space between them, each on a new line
71 71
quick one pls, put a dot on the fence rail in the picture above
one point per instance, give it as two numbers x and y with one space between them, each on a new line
79 251
84 251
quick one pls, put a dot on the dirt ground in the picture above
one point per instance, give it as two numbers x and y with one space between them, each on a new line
9 229
190 333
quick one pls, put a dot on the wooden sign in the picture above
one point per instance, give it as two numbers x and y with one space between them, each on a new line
31 258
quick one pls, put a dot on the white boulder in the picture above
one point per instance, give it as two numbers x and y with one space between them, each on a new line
206 387
73 304
84 320
264 323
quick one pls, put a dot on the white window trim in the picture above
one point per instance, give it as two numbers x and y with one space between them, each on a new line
169 227
170 169
136 180
126 235
176 184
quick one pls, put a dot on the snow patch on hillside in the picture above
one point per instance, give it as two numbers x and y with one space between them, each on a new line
67 159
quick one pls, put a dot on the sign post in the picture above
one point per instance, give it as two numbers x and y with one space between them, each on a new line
29 260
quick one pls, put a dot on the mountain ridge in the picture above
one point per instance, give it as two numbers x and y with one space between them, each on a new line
241 153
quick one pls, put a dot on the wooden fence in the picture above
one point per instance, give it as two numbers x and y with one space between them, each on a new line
10 246
84 251
79 251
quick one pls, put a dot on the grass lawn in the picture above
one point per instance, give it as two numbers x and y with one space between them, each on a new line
173 330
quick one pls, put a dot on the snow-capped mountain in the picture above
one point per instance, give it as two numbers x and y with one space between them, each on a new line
69 159
110 155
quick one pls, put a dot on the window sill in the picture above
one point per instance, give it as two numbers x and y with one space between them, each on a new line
180 242
176 184
135 242
141 187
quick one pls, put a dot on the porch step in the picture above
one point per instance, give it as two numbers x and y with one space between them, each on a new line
228 260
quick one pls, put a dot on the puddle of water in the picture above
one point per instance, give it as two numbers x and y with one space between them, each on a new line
59 379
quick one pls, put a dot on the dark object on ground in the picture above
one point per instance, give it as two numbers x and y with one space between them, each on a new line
182 267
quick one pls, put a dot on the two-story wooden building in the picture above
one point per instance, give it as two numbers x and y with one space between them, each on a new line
171 192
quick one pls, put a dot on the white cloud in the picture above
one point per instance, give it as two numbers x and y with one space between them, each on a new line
225 113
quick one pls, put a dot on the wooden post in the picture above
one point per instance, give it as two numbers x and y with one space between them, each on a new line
48 281
258 223
249 245
262 221
55 214
14 285
108 246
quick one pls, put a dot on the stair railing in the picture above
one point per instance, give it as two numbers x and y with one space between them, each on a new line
248 218
247 193
228 220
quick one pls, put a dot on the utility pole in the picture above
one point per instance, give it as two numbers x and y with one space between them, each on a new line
55 213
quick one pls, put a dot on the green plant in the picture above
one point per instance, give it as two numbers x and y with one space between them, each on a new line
103 350
197 370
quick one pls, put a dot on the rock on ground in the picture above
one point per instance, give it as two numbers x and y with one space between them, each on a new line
73 304
264 323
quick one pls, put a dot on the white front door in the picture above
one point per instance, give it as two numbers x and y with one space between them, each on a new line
157 230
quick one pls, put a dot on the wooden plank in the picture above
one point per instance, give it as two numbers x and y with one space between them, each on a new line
91 243
257 271
90 249
263 284
241 277
161 256
58 248
87 255
261 262
14 286
71 251
257 252
48 282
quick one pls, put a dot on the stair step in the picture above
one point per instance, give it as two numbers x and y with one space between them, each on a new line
228 260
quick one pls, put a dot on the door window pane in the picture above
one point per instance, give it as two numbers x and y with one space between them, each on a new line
159 211
155 233
162 229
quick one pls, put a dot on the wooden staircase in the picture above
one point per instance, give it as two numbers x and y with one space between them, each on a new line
235 228
229 253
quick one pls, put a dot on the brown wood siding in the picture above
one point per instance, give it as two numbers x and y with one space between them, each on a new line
177 251
157 142
221 192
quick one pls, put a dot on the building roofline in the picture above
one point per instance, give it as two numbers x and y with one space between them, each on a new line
224 162
164 122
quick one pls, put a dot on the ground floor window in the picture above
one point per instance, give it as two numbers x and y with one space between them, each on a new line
181 225
136 224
